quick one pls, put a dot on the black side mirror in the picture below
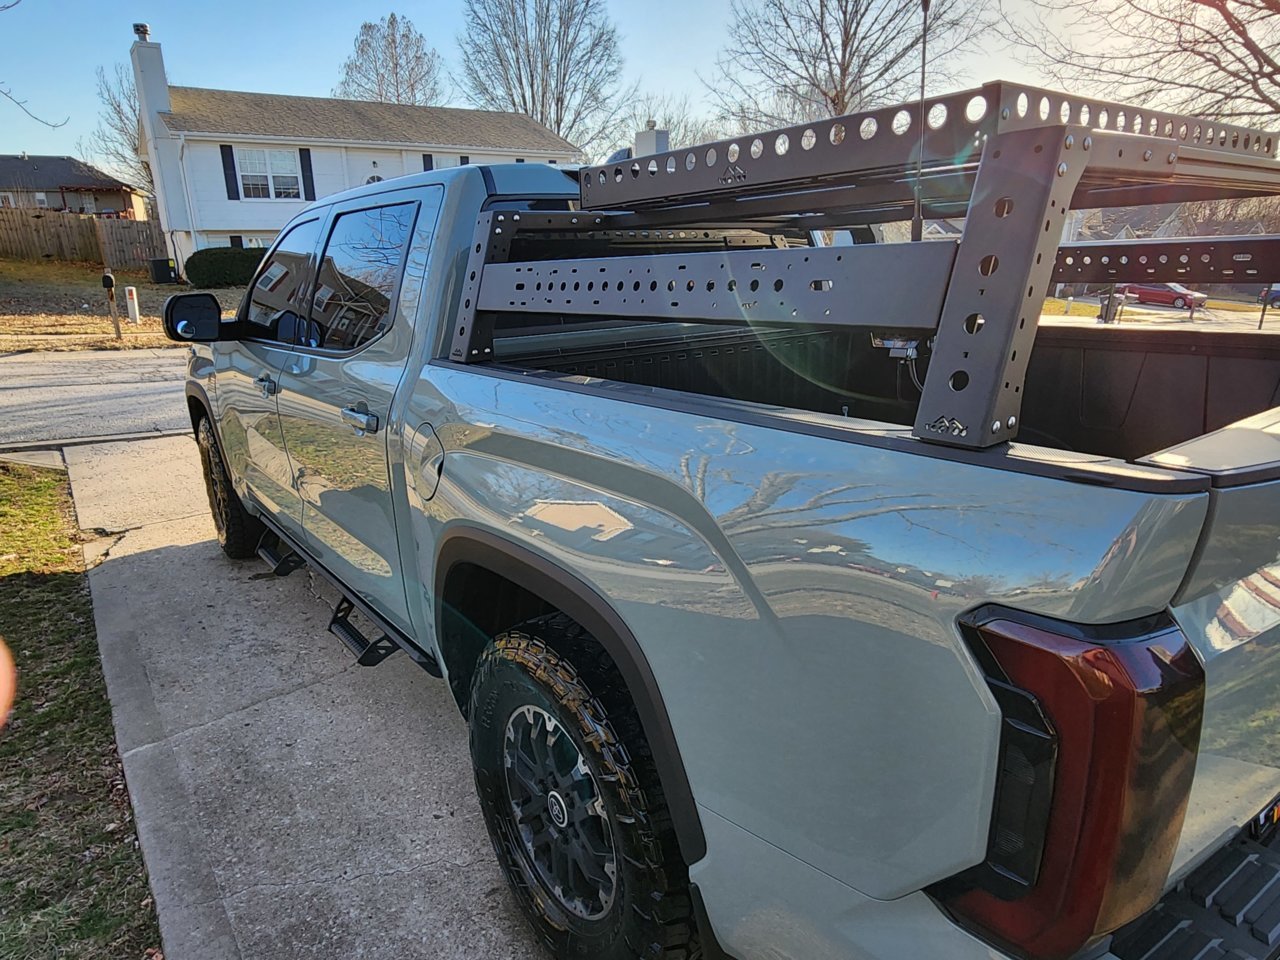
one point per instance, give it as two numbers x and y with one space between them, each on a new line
193 318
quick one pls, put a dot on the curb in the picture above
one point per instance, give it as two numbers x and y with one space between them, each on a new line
24 446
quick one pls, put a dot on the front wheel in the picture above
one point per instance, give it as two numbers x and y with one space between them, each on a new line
572 799
238 530
1180 303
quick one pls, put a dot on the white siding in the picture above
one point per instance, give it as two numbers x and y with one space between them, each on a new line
363 164
212 209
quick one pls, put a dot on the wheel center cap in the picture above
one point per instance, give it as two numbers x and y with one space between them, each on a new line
559 812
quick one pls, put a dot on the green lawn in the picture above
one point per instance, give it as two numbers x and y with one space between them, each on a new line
72 883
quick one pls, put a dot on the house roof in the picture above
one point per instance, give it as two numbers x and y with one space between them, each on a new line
31 172
232 113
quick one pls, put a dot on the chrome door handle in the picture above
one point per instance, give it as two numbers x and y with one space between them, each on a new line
359 420
266 385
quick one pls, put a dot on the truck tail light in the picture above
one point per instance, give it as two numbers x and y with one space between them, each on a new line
1098 749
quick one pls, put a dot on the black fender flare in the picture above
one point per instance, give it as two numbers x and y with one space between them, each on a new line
570 594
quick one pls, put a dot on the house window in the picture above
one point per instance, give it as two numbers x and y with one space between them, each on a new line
269 174
464 160
6 200
42 200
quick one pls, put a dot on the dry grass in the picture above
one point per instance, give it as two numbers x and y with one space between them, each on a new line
72 883
53 305
1056 307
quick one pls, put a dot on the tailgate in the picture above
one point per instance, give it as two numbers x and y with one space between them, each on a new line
1229 609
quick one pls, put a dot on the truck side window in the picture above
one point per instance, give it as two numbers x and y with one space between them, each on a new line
274 302
359 273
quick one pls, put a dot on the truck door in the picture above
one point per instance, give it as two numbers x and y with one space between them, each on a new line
248 371
336 394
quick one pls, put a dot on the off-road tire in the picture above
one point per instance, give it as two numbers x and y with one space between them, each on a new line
238 530
555 666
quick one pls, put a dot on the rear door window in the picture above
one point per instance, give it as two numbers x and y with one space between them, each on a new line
274 304
360 271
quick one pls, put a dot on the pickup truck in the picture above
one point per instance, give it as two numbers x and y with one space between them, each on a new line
804 595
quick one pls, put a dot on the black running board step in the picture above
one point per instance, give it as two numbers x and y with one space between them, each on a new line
1227 909
368 653
279 556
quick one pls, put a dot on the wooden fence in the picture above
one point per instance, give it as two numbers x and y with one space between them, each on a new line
27 234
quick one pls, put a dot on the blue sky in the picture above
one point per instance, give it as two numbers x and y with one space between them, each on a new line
51 48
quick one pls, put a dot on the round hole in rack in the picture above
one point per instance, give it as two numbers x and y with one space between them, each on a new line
653 168
711 285
1044 108
1004 207
617 174
836 136
689 285
733 285
1104 116
781 144
901 122
1182 131
936 116
1022 105
710 157
1137 123
989 265
973 322
635 170
1085 114
732 153
867 129
603 178
778 285
690 161
671 164
757 148
975 109
671 286
808 139
1064 112
958 381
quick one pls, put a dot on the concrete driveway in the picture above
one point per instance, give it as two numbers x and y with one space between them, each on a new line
90 393
289 803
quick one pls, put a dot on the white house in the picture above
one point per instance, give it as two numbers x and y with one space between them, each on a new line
231 168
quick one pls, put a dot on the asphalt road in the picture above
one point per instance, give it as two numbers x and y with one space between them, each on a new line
91 393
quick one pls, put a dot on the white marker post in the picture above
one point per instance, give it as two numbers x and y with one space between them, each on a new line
131 304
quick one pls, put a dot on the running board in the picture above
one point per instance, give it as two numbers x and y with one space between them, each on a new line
278 555
368 653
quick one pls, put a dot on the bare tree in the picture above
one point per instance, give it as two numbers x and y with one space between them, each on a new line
555 60
674 113
7 93
116 140
391 63
793 60
1216 58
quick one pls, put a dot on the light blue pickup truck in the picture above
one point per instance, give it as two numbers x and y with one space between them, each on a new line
805 596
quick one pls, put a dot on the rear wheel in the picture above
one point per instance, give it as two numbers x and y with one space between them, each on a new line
238 530
572 800
1180 302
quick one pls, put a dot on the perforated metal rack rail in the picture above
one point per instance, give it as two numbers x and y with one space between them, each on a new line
1011 160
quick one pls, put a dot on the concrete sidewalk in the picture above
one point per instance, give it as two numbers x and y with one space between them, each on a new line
289 803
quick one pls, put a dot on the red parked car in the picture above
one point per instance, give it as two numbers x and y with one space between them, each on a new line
1166 294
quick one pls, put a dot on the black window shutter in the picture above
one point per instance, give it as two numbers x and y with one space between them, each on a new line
428 162
229 171
237 241
308 181
464 160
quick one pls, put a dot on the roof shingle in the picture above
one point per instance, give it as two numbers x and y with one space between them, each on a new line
233 113
33 172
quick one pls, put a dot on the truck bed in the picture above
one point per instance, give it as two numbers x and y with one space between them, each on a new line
1123 392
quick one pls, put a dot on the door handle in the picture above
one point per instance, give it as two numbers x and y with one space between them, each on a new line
361 421
266 385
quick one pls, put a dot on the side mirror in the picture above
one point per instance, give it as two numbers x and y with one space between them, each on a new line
193 318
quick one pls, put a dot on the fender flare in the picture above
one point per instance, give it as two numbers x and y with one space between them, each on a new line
570 594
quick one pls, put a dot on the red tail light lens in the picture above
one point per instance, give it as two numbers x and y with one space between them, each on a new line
1122 707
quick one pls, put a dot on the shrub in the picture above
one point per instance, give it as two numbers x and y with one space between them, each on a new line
223 266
